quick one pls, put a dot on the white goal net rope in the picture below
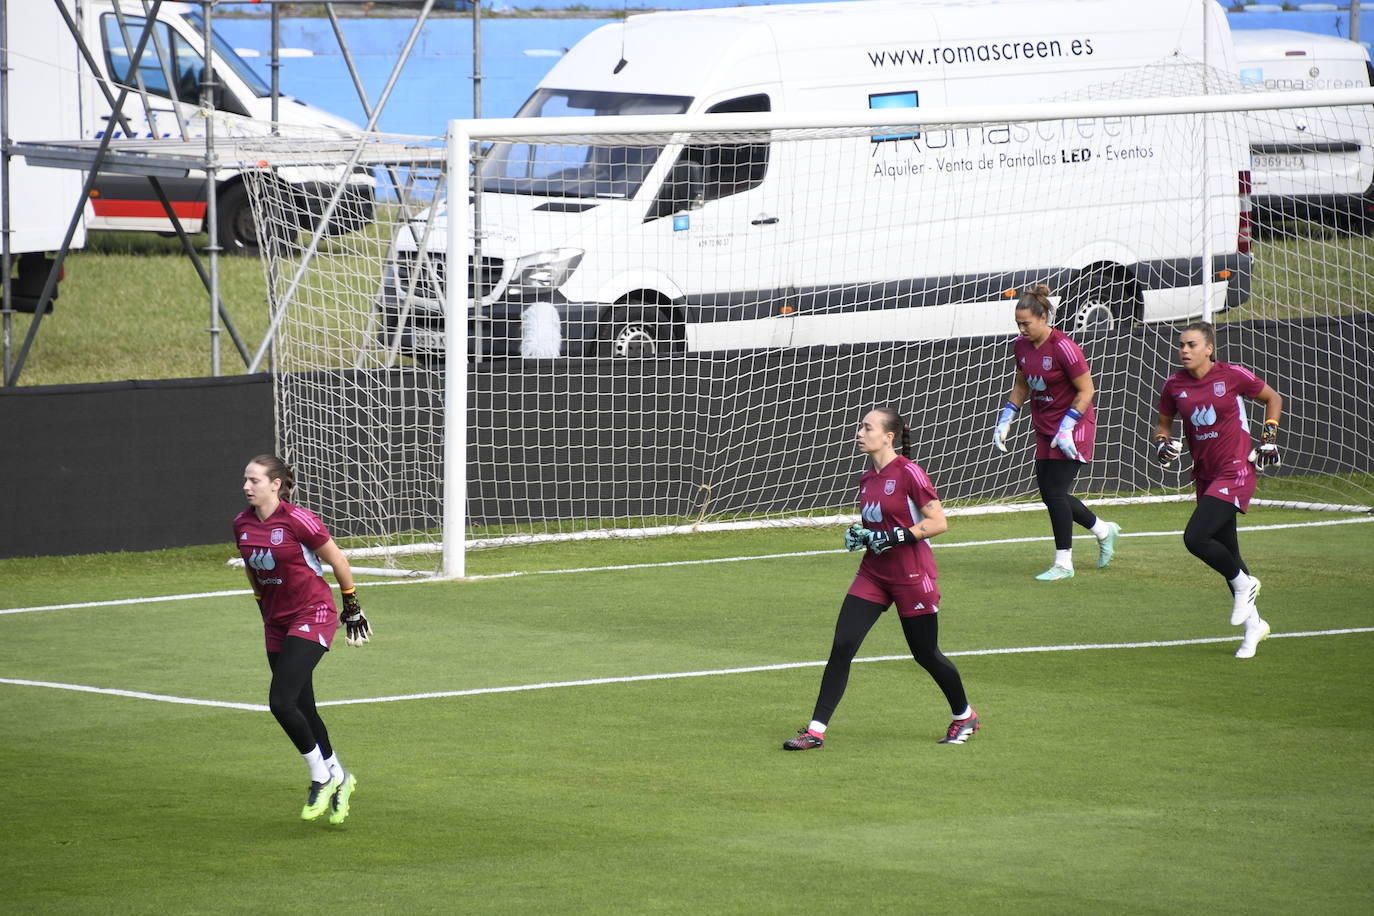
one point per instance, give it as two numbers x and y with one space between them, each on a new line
682 327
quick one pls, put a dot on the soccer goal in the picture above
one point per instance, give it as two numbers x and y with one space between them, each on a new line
671 321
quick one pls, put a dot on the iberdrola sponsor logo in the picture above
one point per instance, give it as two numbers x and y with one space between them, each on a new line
1204 416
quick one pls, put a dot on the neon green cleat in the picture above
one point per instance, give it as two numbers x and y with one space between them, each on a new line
1055 572
338 802
318 798
1106 548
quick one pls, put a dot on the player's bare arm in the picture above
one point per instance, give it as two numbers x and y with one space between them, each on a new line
1273 404
330 553
1083 392
1164 425
1020 390
932 521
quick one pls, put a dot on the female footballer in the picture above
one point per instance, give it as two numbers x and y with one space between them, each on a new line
283 547
1053 375
900 511
1209 397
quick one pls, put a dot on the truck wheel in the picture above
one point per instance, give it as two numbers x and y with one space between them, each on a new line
234 218
636 332
1098 301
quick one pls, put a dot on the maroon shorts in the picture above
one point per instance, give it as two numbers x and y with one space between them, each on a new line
1082 438
1236 486
914 598
316 623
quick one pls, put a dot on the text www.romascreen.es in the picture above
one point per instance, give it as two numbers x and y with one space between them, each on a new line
986 52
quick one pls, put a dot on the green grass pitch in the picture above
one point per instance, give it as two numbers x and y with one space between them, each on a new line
1126 778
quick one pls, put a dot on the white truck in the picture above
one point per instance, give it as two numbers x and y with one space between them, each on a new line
704 249
40 201
1310 163
169 76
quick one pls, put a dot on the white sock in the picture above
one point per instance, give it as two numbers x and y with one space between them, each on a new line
319 770
968 711
335 768
1100 529
1064 558
1241 581
817 727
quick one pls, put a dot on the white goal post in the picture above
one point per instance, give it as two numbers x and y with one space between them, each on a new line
675 321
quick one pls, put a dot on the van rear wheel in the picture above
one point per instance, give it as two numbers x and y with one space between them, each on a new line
1098 301
638 332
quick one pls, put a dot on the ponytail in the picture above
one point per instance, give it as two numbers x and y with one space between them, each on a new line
277 469
901 433
1036 300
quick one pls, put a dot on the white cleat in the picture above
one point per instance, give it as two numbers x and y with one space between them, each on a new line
1256 629
1055 573
1243 603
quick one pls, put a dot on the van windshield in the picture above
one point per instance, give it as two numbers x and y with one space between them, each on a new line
577 169
226 53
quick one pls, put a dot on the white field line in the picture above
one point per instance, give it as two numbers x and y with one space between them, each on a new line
667 676
411 579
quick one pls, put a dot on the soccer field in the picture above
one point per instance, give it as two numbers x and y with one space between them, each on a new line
605 734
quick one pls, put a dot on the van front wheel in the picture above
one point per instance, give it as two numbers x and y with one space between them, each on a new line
637 332
1098 301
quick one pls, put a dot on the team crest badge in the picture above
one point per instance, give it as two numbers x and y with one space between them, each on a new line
889 487
278 535
1047 363
1219 389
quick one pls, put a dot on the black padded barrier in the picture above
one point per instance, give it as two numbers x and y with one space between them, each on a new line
138 465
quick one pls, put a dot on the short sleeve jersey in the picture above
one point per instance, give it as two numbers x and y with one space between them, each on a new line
1050 370
892 498
280 552
1213 413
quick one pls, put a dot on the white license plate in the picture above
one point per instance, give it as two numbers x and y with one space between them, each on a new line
1281 162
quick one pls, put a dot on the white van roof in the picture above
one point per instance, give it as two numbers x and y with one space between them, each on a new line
1277 44
758 45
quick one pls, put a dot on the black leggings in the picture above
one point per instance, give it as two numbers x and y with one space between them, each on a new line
1055 476
1211 537
857 617
292 695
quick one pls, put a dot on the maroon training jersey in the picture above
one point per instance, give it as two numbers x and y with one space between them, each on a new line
1050 370
893 498
280 554
1213 413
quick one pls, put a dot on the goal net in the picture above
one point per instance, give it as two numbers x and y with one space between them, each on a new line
681 325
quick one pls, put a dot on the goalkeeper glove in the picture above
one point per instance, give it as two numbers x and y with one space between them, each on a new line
1003 427
882 541
1167 450
1267 455
1063 439
356 628
856 537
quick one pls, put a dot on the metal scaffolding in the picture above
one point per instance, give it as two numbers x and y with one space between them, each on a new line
159 159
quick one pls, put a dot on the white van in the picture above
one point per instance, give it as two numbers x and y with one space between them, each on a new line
1310 163
41 200
170 70
641 249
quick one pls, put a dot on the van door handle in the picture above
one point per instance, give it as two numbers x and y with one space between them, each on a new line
763 220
